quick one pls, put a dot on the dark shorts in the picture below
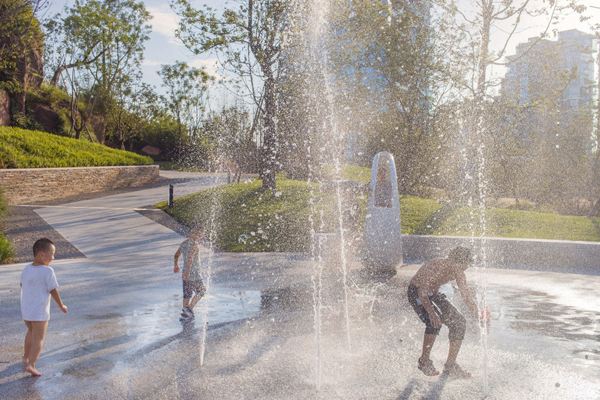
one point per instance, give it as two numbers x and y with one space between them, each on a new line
449 315
193 287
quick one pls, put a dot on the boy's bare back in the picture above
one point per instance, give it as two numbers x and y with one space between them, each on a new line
436 273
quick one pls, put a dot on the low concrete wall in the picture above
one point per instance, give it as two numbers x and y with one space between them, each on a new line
30 185
543 255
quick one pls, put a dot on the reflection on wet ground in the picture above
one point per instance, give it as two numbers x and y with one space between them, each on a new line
527 311
119 337
538 311
262 345
534 320
534 313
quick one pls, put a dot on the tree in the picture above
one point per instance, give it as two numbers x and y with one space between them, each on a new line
135 109
81 104
595 175
21 48
231 131
186 96
103 41
482 23
393 78
250 38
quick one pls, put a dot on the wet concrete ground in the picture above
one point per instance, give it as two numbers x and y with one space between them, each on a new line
125 341
122 338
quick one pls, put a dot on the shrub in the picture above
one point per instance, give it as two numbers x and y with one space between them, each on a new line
6 251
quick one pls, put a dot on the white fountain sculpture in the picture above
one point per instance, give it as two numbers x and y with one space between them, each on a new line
382 236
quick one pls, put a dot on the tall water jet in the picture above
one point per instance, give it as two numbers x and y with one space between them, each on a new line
317 47
212 232
317 273
322 7
475 185
317 280
483 264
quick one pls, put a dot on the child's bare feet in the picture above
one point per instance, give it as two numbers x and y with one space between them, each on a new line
426 366
32 370
25 363
454 371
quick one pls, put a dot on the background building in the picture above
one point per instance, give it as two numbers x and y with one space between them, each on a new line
540 67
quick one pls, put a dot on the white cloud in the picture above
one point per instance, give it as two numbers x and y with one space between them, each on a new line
210 65
151 63
164 21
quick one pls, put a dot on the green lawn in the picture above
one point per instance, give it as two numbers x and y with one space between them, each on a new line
248 219
21 148
251 220
350 172
525 224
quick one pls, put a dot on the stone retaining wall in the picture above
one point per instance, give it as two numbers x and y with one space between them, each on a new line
531 254
30 185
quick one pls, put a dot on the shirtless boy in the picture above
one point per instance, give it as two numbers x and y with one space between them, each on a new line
434 309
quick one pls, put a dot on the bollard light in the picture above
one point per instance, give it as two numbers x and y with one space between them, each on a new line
170 196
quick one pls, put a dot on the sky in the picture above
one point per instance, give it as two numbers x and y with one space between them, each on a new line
164 48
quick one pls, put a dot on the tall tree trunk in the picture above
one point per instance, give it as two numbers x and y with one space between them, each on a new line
268 160
56 76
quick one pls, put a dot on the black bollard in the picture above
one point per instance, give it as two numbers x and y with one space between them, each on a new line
171 196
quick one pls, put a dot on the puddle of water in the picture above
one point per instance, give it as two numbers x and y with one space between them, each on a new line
118 336
103 316
89 368
535 322
160 321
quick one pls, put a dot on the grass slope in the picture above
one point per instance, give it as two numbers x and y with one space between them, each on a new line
525 224
248 219
21 148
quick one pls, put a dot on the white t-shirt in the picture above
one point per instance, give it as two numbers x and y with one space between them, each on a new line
37 281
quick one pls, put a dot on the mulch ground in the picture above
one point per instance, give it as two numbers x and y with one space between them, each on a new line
23 227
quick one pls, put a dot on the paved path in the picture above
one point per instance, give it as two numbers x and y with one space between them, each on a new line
123 294
122 338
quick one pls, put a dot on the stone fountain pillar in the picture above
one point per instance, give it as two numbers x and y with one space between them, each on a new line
382 237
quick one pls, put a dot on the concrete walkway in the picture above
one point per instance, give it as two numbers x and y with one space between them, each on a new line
124 286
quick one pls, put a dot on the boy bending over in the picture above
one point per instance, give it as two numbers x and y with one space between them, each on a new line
434 309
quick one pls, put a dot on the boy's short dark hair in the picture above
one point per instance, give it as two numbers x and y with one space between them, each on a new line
42 244
196 230
461 255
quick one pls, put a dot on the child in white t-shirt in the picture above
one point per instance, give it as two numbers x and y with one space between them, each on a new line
38 283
